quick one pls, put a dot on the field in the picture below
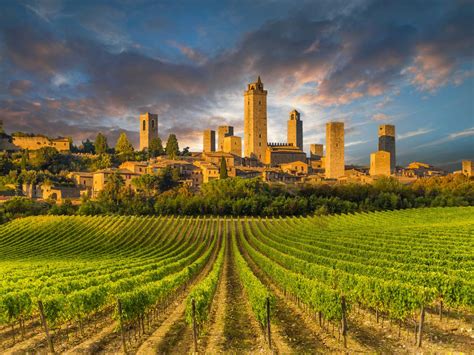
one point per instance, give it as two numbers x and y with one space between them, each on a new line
371 282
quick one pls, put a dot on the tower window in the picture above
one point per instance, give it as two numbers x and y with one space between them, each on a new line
144 125
259 102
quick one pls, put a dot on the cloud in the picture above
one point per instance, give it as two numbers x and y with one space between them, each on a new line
320 56
466 133
450 137
350 144
415 133
190 53
380 117
439 55
19 87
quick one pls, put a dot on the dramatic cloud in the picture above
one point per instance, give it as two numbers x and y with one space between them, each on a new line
415 133
70 70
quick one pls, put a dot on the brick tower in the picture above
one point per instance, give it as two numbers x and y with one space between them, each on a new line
222 132
295 130
148 129
334 150
387 143
255 121
209 141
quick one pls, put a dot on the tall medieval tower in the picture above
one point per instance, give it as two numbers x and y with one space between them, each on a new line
255 121
387 143
295 130
148 129
334 150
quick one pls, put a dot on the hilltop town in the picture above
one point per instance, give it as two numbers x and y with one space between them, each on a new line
222 156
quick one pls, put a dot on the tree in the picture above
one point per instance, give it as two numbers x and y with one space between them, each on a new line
45 157
100 144
123 146
223 170
147 183
6 164
89 147
103 161
112 190
25 157
172 147
155 148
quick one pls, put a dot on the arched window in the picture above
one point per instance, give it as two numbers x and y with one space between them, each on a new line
144 125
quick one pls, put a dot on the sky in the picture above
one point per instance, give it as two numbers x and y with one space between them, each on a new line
76 68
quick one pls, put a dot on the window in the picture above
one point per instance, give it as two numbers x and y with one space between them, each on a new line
152 123
144 124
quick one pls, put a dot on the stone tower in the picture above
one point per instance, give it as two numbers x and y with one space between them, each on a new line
334 161
233 145
255 121
316 151
387 143
223 131
380 163
148 129
209 141
295 130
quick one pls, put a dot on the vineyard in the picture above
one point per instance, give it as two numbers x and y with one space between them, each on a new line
395 281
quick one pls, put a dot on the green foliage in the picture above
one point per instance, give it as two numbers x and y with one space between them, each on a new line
103 161
254 289
6 164
100 144
22 206
155 148
223 169
64 209
391 261
123 146
203 292
89 147
172 147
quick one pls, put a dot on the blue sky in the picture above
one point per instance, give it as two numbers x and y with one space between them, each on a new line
75 68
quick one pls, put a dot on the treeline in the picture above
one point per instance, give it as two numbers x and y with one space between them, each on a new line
162 195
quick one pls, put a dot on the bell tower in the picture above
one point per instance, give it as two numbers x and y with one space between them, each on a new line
148 129
255 121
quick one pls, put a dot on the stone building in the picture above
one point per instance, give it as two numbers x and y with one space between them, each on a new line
60 193
334 162
387 143
35 142
282 153
148 129
101 177
255 121
82 179
222 132
380 163
295 168
233 145
138 167
316 151
216 157
467 168
295 130
209 141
